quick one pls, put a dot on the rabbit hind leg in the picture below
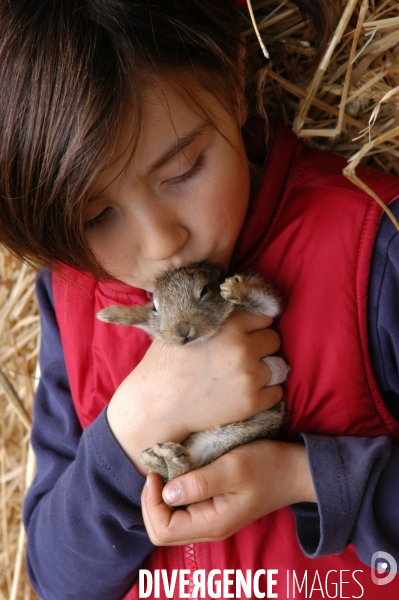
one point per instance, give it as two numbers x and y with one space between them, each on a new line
150 458
168 459
207 446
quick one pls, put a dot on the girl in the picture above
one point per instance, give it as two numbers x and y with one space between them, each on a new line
127 148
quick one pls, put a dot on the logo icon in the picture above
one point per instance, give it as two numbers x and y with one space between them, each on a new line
380 574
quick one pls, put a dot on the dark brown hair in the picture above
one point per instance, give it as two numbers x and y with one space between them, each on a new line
66 67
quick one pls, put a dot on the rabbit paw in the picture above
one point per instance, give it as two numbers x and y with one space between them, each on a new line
150 458
168 459
234 289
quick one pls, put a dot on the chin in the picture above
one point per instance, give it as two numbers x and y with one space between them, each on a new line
137 283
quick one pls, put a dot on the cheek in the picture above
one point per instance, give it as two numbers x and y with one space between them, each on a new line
230 195
110 247
98 241
222 215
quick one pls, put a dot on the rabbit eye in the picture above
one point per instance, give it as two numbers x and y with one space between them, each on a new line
205 290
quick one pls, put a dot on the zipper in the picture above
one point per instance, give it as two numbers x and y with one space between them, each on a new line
191 563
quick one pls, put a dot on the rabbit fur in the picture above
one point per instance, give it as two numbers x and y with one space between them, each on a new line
189 305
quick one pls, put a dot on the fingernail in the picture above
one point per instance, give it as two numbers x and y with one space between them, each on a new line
172 494
148 478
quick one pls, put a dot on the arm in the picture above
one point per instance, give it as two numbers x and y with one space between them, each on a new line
354 480
86 537
235 490
357 485
85 530
357 480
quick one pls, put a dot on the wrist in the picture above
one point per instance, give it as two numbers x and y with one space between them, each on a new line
297 476
136 427
120 431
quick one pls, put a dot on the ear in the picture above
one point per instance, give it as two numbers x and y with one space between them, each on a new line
127 315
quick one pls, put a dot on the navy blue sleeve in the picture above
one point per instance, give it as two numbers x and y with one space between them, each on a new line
357 479
383 310
86 537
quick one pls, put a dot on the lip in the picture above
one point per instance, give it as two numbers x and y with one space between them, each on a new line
148 286
175 266
183 264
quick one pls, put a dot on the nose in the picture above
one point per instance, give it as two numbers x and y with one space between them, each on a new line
183 331
161 237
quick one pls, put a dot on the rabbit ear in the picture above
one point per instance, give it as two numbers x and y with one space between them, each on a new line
127 315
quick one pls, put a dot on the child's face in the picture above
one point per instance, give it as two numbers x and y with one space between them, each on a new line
182 197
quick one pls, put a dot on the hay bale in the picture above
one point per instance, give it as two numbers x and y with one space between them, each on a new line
19 346
330 105
349 102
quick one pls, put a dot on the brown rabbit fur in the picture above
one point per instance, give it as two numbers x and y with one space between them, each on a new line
189 305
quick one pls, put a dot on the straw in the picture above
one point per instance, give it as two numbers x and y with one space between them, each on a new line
329 104
356 80
19 343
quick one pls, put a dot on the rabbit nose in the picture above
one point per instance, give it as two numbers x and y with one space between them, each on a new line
183 332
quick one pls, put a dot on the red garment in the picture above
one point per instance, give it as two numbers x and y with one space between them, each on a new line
311 232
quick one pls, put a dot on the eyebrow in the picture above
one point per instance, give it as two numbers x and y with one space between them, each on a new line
178 145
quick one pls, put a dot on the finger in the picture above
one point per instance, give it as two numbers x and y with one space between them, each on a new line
270 396
167 527
156 513
249 321
265 342
203 483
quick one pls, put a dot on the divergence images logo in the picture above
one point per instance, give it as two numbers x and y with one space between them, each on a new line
380 561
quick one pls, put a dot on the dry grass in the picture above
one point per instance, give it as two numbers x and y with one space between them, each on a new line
349 102
330 104
19 344
354 88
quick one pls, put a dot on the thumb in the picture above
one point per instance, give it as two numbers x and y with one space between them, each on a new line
196 486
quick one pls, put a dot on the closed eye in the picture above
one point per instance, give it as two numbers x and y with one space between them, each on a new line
195 169
102 216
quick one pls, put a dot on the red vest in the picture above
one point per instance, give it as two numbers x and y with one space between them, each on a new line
312 233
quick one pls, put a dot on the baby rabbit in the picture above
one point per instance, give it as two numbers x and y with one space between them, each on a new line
189 305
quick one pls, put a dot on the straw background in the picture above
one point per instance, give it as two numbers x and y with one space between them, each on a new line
354 88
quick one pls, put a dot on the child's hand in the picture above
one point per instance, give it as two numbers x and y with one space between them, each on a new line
230 493
175 391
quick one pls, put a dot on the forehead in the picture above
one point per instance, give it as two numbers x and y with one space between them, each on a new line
173 115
